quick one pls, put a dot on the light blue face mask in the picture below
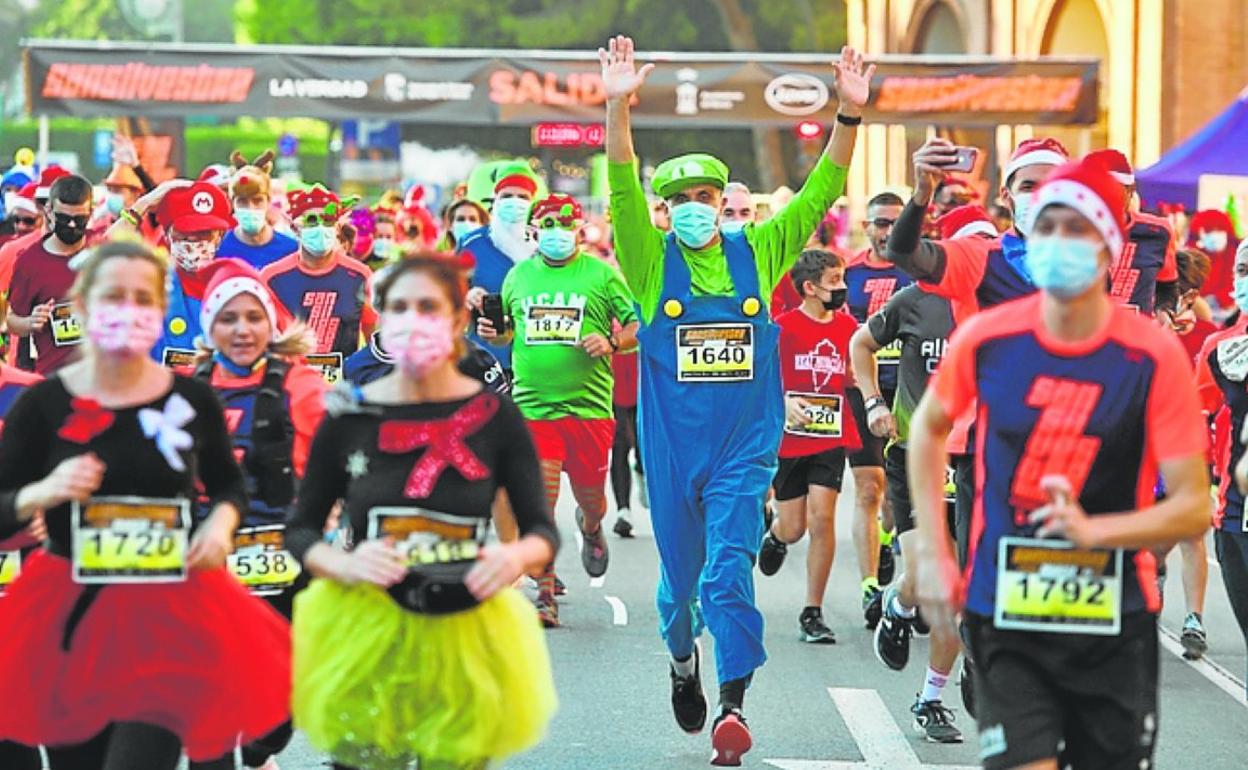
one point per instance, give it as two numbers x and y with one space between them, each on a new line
1022 208
1064 267
1239 293
382 247
317 241
695 223
461 229
732 226
512 211
556 244
251 220
114 203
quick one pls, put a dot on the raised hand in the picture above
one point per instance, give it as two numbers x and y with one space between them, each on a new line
853 81
124 151
620 76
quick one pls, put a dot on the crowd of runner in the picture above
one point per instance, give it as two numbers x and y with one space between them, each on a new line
254 439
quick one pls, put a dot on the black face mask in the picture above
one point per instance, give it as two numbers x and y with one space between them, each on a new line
836 299
69 229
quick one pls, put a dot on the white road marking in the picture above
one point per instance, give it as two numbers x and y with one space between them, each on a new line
879 739
619 613
1221 678
597 582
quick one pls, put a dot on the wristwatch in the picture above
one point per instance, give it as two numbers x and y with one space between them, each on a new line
846 120
875 401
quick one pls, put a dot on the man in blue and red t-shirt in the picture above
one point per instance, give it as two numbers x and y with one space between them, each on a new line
1080 403
321 285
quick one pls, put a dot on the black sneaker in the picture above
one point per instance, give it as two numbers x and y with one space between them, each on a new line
594 554
771 554
888 565
872 606
966 686
623 527
547 610
920 626
1195 642
769 515
892 635
560 588
688 701
935 722
730 739
813 628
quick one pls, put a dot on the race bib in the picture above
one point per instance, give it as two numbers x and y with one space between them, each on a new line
179 359
890 354
328 364
714 353
1233 358
66 329
1049 585
823 415
10 568
261 562
549 325
951 486
426 537
130 540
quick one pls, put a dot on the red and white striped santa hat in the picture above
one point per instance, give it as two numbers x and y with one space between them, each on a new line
1086 187
965 221
1116 164
228 279
1045 151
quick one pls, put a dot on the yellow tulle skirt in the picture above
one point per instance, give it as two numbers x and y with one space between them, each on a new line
379 687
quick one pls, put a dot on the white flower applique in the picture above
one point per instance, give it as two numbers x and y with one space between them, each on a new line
165 428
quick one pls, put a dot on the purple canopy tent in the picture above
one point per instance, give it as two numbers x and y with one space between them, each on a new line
1221 147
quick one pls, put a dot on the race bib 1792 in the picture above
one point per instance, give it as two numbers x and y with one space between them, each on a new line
1049 585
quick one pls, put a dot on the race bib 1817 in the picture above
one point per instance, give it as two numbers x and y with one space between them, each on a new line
549 325
66 329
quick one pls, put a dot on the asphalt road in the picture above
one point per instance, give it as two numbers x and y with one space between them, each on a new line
812 707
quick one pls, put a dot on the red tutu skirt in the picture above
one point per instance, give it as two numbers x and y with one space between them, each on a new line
203 659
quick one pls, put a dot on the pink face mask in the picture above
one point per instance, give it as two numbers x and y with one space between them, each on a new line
124 330
417 341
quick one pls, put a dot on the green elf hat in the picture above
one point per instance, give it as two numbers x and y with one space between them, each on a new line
683 171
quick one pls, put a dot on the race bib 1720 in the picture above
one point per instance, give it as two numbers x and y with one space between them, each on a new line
714 353
822 415
550 325
261 562
426 537
130 540
1049 585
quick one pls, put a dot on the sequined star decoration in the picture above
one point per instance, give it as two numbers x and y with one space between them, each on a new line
357 464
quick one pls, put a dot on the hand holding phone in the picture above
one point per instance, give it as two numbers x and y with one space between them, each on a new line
492 311
964 159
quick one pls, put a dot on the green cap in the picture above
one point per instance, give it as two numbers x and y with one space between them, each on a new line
683 171
483 178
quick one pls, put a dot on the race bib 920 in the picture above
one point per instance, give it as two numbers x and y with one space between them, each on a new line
130 540
822 414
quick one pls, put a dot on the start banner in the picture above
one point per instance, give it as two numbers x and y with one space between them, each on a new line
505 87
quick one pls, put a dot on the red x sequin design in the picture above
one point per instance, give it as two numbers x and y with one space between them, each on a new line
445 439
87 421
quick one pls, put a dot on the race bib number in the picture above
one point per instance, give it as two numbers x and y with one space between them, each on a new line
66 329
1049 585
822 412
426 537
261 562
951 486
178 359
130 540
890 354
715 353
549 325
10 568
1233 358
328 364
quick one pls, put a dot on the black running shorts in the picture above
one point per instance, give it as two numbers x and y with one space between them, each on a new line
797 474
872 453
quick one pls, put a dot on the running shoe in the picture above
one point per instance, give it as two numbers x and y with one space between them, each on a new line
730 739
560 588
966 686
688 701
594 554
547 610
892 635
769 515
920 626
872 606
771 554
813 629
1195 643
888 565
935 721
623 527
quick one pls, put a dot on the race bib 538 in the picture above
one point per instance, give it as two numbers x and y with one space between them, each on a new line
260 560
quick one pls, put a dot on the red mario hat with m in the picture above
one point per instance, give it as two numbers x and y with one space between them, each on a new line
196 208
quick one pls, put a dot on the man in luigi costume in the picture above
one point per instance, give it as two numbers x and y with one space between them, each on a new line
710 411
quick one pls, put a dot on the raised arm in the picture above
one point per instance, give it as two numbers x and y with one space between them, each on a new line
622 80
921 259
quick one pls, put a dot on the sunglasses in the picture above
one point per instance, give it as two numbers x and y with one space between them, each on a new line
25 221
882 222
551 221
317 220
78 220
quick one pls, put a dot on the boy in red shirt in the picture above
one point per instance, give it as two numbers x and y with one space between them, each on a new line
814 363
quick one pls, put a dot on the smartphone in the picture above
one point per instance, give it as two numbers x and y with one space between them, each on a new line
492 310
965 161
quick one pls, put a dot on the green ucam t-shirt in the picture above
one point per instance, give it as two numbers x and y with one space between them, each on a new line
552 309
640 247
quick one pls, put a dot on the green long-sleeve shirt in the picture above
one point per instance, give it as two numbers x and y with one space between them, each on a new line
640 249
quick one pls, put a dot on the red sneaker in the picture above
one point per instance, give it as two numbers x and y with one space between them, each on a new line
730 739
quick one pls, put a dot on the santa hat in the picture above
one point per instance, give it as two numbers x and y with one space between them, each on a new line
1036 152
563 208
23 200
317 198
217 175
227 279
50 174
965 221
1210 220
523 181
1086 187
1116 164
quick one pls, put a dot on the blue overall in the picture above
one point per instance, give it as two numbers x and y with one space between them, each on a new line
491 268
709 450
183 314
